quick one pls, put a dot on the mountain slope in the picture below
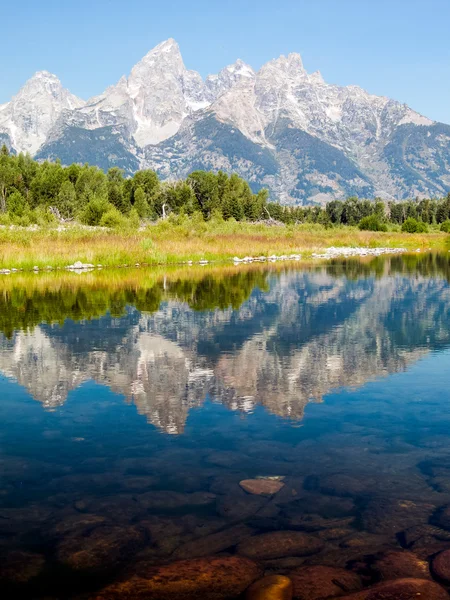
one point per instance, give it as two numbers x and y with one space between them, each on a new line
280 127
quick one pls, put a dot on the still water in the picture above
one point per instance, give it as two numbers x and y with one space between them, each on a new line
133 405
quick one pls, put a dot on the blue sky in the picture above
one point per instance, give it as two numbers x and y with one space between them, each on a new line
397 48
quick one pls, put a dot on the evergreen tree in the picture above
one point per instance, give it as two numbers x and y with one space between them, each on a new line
140 203
206 190
16 204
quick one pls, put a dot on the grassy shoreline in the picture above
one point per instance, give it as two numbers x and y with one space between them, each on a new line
168 243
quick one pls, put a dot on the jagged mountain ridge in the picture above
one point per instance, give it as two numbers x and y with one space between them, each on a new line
280 127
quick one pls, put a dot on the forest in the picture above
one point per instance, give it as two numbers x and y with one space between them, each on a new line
42 193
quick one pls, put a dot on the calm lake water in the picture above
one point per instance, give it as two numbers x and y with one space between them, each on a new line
132 405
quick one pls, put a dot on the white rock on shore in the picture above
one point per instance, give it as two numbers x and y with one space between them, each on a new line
79 266
350 252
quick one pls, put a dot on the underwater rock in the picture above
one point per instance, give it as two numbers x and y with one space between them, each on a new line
327 507
200 526
335 533
345 485
103 550
272 587
427 546
239 507
443 517
80 523
159 527
388 516
168 500
212 578
261 487
364 539
338 557
122 508
417 532
316 582
401 589
441 565
226 484
284 565
278 544
19 520
400 564
19 567
212 544
297 519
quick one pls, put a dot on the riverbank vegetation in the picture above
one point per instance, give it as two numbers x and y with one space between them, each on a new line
54 215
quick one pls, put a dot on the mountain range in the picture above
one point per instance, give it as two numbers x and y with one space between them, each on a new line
281 127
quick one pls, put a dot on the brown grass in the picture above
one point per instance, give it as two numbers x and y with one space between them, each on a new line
173 243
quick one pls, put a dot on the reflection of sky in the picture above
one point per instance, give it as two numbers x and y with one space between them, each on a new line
307 336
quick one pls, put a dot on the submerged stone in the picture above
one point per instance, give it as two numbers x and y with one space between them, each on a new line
168 500
441 565
261 487
387 516
211 578
316 582
19 567
402 589
272 587
103 550
214 543
239 507
278 544
398 564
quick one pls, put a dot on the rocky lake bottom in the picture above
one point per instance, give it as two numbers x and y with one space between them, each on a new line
280 424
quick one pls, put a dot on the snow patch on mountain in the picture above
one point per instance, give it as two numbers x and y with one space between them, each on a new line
31 114
280 126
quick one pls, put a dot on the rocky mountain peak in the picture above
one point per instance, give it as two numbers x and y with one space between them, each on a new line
30 115
280 127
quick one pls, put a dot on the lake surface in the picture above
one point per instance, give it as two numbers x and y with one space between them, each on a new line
133 404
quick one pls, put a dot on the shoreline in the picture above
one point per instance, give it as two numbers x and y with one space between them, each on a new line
329 254
165 244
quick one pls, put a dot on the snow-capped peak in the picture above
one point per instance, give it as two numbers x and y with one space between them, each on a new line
241 68
29 116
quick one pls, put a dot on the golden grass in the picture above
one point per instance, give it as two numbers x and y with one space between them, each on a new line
173 243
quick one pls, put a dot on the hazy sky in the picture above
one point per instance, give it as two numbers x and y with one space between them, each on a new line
397 48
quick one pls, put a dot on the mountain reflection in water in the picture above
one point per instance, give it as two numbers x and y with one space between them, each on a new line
277 340
227 362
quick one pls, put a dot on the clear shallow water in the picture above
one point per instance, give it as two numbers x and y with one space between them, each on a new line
126 427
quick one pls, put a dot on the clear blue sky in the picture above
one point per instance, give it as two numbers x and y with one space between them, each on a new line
397 48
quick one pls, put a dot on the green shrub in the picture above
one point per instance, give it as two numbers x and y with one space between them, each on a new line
42 217
134 219
112 218
94 210
372 223
413 226
445 226
16 204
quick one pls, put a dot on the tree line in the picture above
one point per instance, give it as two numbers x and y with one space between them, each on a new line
86 193
33 192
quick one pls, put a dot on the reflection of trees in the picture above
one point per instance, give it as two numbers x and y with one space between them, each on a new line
22 308
426 264
312 331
